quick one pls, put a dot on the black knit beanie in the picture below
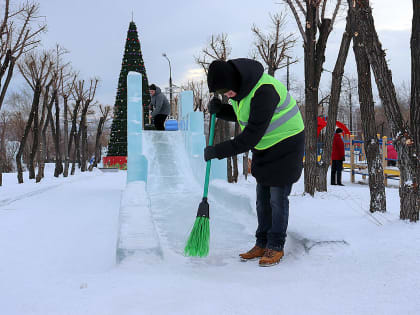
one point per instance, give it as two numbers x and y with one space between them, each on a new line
152 87
223 75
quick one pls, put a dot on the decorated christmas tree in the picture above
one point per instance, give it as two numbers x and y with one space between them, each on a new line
132 61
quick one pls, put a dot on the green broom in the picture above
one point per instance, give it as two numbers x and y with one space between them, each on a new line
198 242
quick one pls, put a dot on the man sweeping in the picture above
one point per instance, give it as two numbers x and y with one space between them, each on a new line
272 128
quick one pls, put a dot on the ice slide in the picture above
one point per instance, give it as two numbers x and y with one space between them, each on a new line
165 186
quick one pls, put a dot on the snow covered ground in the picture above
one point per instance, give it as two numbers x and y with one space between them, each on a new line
60 241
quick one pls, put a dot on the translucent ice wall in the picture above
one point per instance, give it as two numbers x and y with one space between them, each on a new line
136 161
191 125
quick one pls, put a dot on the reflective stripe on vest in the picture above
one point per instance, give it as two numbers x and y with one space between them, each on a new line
286 120
276 111
283 119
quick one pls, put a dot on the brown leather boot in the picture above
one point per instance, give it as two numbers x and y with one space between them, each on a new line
271 258
255 252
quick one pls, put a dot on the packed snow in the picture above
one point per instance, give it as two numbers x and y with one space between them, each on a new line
91 244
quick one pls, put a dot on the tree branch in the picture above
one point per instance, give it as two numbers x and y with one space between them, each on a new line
298 22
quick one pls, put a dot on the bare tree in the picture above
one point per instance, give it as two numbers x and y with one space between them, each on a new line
66 90
19 32
218 48
88 97
405 135
367 112
274 48
105 111
78 96
313 12
36 69
43 126
60 76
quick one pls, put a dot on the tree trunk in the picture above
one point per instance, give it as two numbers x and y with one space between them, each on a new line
411 211
73 161
43 152
58 165
400 131
337 78
85 151
367 113
8 79
73 134
48 121
83 134
311 106
245 165
229 169
51 121
34 150
2 152
314 57
35 103
98 147
76 153
235 158
66 139
42 126
270 70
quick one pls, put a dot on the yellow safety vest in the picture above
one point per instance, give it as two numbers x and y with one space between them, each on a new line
286 121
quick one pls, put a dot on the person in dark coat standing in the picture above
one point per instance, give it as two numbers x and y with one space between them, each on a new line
337 158
272 127
160 106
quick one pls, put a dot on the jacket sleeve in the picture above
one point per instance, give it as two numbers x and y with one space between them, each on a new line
226 113
342 150
262 109
158 105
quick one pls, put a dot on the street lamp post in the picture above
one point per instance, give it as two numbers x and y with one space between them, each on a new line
170 80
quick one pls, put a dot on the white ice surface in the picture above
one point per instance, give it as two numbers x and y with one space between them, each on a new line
58 247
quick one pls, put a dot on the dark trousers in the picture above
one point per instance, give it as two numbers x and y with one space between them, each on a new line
273 216
159 121
336 169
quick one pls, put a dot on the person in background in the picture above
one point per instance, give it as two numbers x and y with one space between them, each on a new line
160 106
272 127
392 155
337 158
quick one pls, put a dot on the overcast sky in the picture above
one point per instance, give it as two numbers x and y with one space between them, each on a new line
94 31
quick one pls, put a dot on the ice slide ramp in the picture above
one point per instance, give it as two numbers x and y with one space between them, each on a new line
165 185
156 217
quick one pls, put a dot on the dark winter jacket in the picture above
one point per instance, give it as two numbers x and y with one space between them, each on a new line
160 104
278 165
338 148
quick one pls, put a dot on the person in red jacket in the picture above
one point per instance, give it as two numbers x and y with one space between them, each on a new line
391 154
337 158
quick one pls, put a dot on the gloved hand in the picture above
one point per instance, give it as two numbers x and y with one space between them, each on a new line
215 105
209 153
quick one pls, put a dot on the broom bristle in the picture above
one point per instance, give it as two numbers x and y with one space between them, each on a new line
198 242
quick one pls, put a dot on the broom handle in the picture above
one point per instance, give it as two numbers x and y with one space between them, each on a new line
206 182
